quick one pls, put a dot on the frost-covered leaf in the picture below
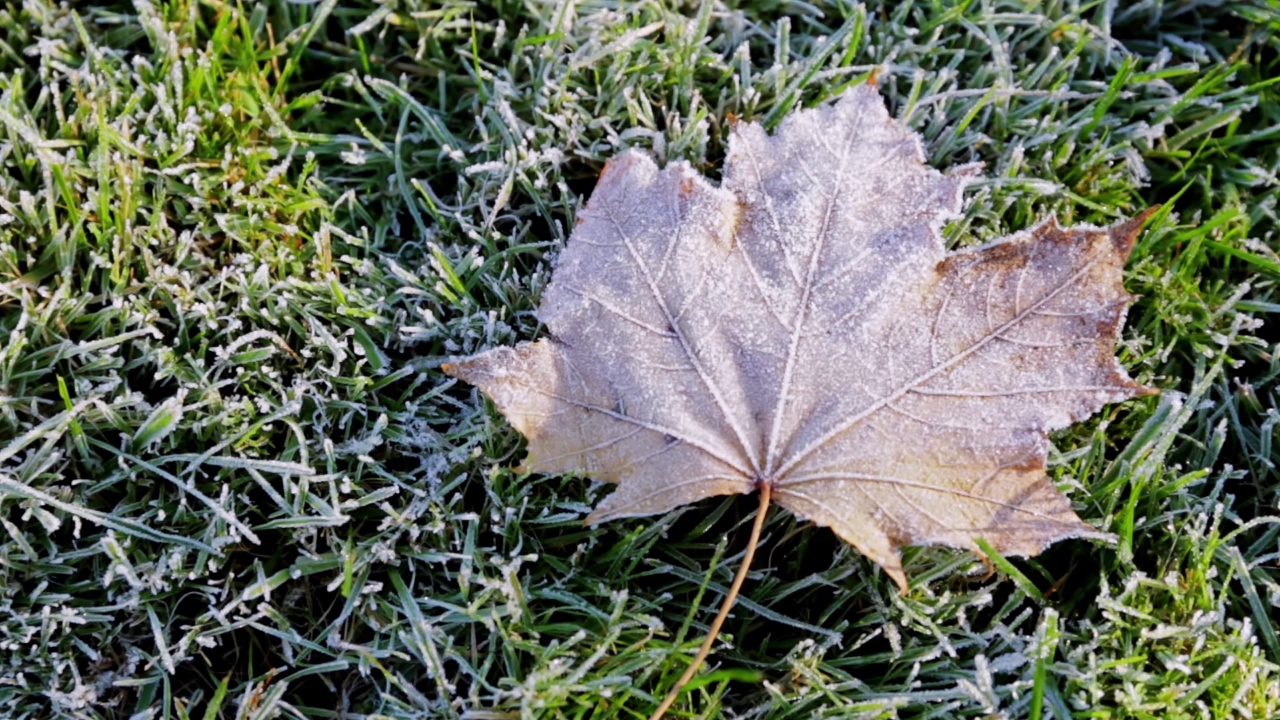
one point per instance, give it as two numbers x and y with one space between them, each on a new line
803 326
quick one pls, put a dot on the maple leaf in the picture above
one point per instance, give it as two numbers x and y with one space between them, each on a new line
803 327
802 330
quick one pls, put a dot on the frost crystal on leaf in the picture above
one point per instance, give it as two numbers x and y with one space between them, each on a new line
803 326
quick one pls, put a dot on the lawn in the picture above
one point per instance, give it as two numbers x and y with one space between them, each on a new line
239 240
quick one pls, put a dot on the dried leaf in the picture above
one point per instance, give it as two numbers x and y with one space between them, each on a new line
802 326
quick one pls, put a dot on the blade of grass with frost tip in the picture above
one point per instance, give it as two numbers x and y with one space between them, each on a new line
275 467
77 432
162 644
213 710
164 419
1264 618
1112 94
304 521
50 430
124 526
299 44
791 95
1044 656
187 487
421 633
696 603
1151 444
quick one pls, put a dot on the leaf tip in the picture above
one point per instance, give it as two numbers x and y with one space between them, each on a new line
608 167
620 166
1124 234
900 578
462 369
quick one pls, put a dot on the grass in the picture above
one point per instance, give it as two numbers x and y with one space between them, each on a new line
238 240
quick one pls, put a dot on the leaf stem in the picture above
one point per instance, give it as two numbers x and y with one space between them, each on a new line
725 605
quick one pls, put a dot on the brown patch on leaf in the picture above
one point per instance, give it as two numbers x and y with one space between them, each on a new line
1030 463
687 184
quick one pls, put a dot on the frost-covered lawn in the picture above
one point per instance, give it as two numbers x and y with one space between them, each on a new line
238 240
